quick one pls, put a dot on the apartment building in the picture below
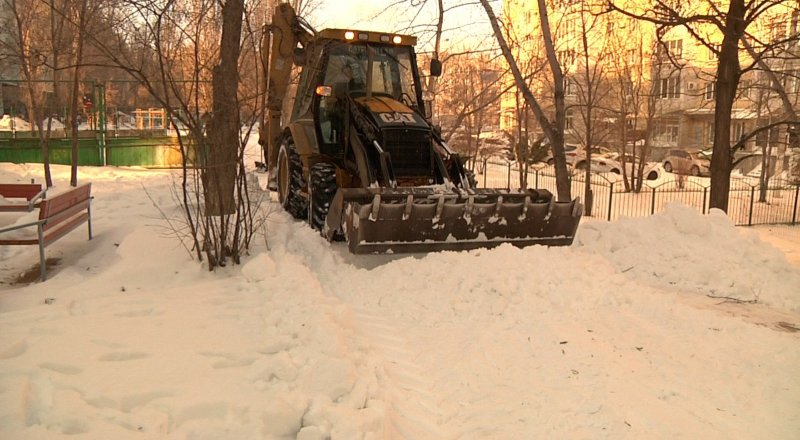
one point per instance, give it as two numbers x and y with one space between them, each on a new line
629 71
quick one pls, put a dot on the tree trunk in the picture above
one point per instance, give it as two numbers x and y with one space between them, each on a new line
223 129
73 105
554 131
728 75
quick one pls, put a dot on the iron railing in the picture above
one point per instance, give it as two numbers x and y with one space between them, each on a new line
611 200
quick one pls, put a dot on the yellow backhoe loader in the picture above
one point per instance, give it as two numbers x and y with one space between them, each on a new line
359 159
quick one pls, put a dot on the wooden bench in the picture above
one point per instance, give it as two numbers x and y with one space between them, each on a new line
31 192
57 217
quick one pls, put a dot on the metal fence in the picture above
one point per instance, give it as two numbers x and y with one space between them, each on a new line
612 201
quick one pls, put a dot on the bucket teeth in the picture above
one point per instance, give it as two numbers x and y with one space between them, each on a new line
408 222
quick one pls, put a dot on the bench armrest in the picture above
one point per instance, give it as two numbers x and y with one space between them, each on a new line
34 200
24 225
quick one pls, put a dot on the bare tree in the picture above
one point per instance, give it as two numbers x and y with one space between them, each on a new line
553 129
590 82
177 50
733 25
28 46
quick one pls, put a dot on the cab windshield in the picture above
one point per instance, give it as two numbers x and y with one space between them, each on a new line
391 72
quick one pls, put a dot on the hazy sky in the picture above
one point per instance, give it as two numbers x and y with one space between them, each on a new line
466 25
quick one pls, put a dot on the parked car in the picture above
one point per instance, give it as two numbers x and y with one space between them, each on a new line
610 163
695 163
571 150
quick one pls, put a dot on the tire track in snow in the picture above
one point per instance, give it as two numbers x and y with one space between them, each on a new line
411 410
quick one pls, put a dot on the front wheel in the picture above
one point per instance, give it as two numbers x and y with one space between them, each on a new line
667 167
321 189
695 170
290 180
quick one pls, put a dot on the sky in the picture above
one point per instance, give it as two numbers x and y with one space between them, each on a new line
465 23
677 325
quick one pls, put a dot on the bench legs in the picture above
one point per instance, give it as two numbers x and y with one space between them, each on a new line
89 221
42 262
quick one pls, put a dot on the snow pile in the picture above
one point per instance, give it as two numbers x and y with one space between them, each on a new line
7 123
610 338
681 248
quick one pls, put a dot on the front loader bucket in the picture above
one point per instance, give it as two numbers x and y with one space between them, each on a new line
423 220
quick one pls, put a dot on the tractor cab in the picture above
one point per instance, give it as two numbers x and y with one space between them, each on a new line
365 87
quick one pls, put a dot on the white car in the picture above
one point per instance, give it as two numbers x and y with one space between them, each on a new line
572 152
610 163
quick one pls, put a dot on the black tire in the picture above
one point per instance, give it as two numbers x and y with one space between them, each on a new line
695 170
551 161
615 171
667 167
580 165
291 181
653 175
321 189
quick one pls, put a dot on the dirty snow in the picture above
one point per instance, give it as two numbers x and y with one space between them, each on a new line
614 337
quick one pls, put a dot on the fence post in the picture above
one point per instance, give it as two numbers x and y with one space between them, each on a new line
508 183
653 202
610 199
794 211
752 200
536 179
485 171
705 200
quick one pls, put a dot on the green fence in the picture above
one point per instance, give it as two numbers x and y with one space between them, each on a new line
160 151
116 126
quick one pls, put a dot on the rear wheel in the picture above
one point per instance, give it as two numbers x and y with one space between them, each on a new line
695 170
290 180
321 189
667 167
653 175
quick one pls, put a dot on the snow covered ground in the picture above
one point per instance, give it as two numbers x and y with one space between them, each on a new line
614 337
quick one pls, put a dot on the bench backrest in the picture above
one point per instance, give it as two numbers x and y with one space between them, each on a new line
20 190
65 206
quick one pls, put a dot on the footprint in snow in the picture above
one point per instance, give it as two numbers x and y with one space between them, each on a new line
122 356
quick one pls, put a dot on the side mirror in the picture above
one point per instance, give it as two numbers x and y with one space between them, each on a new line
299 56
436 67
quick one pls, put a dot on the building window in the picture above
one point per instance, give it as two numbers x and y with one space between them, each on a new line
777 29
791 80
737 131
710 133
633 57
711 88
568 120
507 120
667 132
569 88
713 51
669 87
675 48
761 136
566 57
745 89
